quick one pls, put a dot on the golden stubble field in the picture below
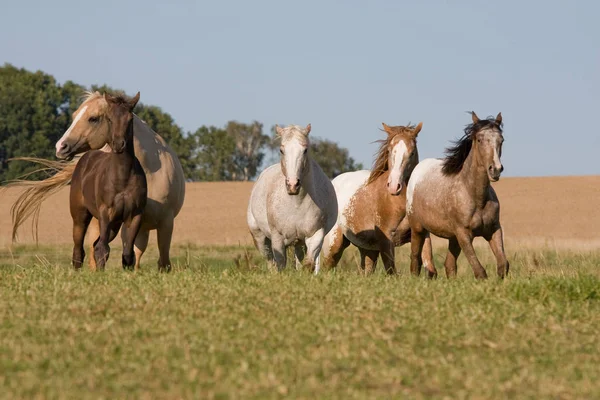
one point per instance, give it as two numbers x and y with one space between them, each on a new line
549 211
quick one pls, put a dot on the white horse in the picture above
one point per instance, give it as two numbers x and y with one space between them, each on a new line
292 203
164 174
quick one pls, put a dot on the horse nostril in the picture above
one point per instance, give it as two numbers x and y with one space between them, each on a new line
501 168
64 146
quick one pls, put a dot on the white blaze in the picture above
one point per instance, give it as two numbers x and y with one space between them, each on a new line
398 154
66 135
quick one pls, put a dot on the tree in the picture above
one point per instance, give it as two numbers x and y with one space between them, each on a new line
332 158
34 113
250 146
213 158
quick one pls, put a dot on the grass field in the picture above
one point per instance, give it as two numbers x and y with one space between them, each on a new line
220 328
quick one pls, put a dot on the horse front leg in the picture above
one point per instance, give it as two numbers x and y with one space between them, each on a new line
93 233
81 221
279 251
128 237
465 240
496 243
101 248
313 248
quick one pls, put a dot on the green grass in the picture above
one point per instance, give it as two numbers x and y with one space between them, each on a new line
216 328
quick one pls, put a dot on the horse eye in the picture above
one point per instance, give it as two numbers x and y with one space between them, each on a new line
305 150
93 120
281 151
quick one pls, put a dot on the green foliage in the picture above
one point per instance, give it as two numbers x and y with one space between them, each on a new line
332 158
214 155
35 111
33 116
250 144
214 328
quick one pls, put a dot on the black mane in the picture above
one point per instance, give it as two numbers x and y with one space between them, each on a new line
459 151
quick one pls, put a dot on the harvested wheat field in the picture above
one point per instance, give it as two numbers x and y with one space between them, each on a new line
554 211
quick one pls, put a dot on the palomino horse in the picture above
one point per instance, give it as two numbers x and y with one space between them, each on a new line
372 204
292 203
452 198
164 174
110 186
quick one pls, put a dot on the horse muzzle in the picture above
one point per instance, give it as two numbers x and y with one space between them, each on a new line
64 152
494 173
395 191
293 188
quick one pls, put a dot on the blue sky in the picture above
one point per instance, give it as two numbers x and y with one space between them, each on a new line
343 66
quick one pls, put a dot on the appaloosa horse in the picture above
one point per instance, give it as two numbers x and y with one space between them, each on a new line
372 205
164 174
452 198
292 202
111 187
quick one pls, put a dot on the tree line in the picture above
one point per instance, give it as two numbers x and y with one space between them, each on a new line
35 111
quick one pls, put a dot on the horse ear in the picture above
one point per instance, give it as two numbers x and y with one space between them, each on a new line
387 128
133 102
474 117
499 119
418 129
278 130
308 127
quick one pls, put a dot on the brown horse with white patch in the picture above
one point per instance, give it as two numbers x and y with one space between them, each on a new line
372 204
111 187
453 198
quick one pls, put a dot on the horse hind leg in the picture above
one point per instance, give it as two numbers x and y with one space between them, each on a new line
140 245
300 253
427 256
313 248
334 245
368 260
417 242
451 257
496 242
164 233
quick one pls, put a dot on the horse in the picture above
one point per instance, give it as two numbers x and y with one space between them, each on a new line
292 203
90 131
372 205
453 198
111 187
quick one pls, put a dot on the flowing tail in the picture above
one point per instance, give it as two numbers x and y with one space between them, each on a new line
29 203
